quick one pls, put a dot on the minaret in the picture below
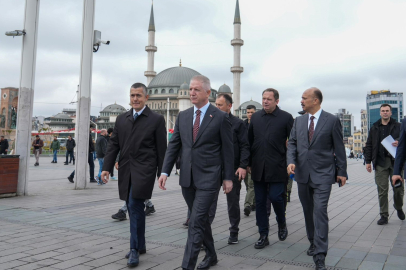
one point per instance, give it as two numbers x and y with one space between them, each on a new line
237 42
151 48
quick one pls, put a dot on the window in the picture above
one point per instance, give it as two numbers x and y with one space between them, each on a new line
156 91
150 92
163 91
181 92
171 91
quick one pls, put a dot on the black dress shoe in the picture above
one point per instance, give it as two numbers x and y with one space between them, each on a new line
65 163
233 239
207 262
401 214
382 221
120 215
282 232
186 224
247 210
70 178
310 251
133 258
262 242
141 251
319 262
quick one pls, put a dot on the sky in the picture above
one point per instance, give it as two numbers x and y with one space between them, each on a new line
345 48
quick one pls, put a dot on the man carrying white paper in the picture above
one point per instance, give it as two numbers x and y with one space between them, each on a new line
382 161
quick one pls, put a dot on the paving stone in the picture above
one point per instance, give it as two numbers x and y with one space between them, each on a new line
349 263
376 257
368 265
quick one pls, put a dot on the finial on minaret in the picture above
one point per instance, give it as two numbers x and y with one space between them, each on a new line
237 18
151 19
180 62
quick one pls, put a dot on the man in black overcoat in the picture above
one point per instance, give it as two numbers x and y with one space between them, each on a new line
140 137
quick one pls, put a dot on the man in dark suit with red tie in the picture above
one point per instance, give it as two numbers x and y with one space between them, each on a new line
203 133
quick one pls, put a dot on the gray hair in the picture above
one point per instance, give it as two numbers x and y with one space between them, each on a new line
103 131
140 85
204 80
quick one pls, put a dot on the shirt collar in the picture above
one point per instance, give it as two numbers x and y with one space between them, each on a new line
140 112
316 115
275 112
203 109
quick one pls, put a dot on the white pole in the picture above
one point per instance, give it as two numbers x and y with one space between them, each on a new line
167 122
26 93
85 86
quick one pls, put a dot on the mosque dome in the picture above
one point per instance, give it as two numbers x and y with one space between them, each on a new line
224 89
184 86
61 115
251 102
173 77
114 108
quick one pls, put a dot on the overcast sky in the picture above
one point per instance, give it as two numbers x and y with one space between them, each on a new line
346 48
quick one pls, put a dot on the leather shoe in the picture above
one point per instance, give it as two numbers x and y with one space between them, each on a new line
133 259
207 262
262 242
310 251
401 214
382 221
319 262
247 211
141 251
282 232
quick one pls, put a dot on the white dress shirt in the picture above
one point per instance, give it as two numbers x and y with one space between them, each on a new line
203 111
139 112
315 120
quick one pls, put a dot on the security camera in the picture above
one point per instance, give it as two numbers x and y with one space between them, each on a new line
15 33
97 41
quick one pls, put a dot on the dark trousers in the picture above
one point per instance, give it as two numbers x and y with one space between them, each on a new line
233 204
72 157
137 221
199 230
90 160
314 199
275 194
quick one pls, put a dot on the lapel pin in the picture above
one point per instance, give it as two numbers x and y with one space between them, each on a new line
211 115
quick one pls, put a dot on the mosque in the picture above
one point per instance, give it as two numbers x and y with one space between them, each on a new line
170 87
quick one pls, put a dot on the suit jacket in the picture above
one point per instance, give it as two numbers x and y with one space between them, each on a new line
240 141
267 135
203 159
142 146
401 150
315 159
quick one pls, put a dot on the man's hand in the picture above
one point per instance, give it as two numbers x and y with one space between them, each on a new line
105 176
369 168
395 143
249 170
162 181
291 169
396 178
343 180
227 186
116 165
241 173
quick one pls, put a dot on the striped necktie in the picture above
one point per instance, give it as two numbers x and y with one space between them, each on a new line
196 125
311 128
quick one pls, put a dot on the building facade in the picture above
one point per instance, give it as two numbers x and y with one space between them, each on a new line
241 111
375 99
357 142
60 121
108 116
347 123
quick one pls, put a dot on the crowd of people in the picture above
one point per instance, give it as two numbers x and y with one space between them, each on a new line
212 149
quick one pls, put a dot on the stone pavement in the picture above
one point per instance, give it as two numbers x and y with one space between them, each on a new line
56 227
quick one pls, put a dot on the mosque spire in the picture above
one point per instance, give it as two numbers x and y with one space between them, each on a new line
237 18
237 69
151 48
151 19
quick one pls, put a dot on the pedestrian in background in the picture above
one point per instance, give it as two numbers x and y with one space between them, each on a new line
70 146
3 145
37 149
101 149
54 147
249 203
383 162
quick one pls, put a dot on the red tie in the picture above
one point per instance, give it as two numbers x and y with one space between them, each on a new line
196 125
311 128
